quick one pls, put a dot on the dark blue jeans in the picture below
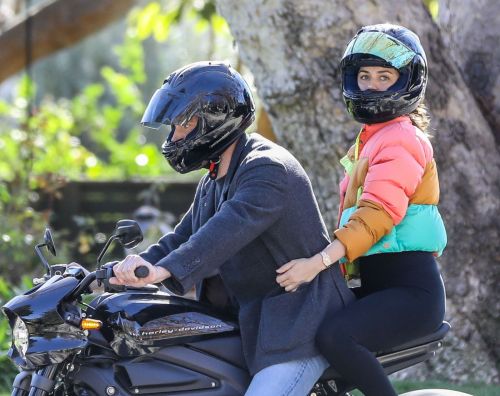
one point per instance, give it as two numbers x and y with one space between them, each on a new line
401 298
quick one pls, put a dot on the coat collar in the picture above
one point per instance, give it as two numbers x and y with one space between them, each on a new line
369 130
233 166
236 157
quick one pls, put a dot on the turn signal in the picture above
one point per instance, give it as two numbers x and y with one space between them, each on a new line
90 324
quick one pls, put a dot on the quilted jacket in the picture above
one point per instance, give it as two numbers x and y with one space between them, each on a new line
390 192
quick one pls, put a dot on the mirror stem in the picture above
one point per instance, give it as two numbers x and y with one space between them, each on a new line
42 259
103 251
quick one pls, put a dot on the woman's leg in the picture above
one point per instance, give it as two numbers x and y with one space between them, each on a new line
295 378
379 321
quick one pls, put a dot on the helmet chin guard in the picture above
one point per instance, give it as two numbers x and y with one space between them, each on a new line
384 45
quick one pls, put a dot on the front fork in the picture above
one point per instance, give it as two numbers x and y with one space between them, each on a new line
35 383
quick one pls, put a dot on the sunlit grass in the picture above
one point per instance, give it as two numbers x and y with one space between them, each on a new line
473 389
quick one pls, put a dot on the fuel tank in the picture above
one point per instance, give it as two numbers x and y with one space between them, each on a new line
140 321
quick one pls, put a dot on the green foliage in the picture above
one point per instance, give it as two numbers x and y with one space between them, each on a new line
472 389
131 56
21 150
82 138
94 135
7 368
157 18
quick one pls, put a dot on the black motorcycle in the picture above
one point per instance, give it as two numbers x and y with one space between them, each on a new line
140 341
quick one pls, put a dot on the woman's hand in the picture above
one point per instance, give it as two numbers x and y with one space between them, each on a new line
124 272
296 272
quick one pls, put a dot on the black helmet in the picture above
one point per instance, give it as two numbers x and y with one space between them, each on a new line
218 96
388 46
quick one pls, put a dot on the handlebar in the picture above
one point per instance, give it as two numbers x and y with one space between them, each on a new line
141 271
103 275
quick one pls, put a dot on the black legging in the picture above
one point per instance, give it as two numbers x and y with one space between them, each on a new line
402 298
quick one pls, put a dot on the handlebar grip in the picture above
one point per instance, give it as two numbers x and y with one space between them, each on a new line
142 271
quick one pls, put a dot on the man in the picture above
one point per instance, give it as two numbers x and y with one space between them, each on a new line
254 211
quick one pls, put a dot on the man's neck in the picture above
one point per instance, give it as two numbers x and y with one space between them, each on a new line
225 160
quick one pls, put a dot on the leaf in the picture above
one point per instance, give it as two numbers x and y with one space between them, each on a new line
4 192
124 89
93 92
201 26
162 27
5 292
145 20
433 7
131 56
4 107
26 88
219 25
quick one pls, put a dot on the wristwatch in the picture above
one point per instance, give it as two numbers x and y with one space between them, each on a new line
327 261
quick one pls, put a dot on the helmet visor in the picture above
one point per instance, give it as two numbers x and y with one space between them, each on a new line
381 45
165 107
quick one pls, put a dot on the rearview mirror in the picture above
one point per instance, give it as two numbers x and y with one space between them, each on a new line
128 233
49 242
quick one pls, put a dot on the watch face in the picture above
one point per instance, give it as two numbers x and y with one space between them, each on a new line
327 261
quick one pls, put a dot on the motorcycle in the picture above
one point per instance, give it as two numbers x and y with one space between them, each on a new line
141 341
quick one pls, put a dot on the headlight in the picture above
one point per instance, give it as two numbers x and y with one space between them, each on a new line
20 335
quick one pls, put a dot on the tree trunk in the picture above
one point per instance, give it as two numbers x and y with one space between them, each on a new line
293 49
472 30
54 25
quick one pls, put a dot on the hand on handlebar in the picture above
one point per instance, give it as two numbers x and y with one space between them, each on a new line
124 272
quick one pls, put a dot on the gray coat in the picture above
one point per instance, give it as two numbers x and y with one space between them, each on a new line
268 216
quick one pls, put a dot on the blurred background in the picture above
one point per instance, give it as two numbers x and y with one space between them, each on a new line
75 77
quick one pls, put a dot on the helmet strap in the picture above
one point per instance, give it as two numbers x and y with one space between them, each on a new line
171 134
213 168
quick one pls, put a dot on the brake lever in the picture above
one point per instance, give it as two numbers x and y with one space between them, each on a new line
76 272
104 274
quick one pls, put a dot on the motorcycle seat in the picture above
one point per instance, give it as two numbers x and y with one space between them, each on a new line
436 336
385 356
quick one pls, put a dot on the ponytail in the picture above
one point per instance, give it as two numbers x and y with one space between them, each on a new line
420 118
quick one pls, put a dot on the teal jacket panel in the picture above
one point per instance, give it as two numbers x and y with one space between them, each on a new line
422 229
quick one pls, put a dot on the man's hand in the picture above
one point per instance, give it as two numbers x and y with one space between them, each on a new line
296 272
124 272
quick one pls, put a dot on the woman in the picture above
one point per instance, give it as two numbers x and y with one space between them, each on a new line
390 229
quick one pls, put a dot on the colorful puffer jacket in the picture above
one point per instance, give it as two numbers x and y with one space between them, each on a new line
390 192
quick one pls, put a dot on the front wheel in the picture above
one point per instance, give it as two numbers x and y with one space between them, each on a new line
435 392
